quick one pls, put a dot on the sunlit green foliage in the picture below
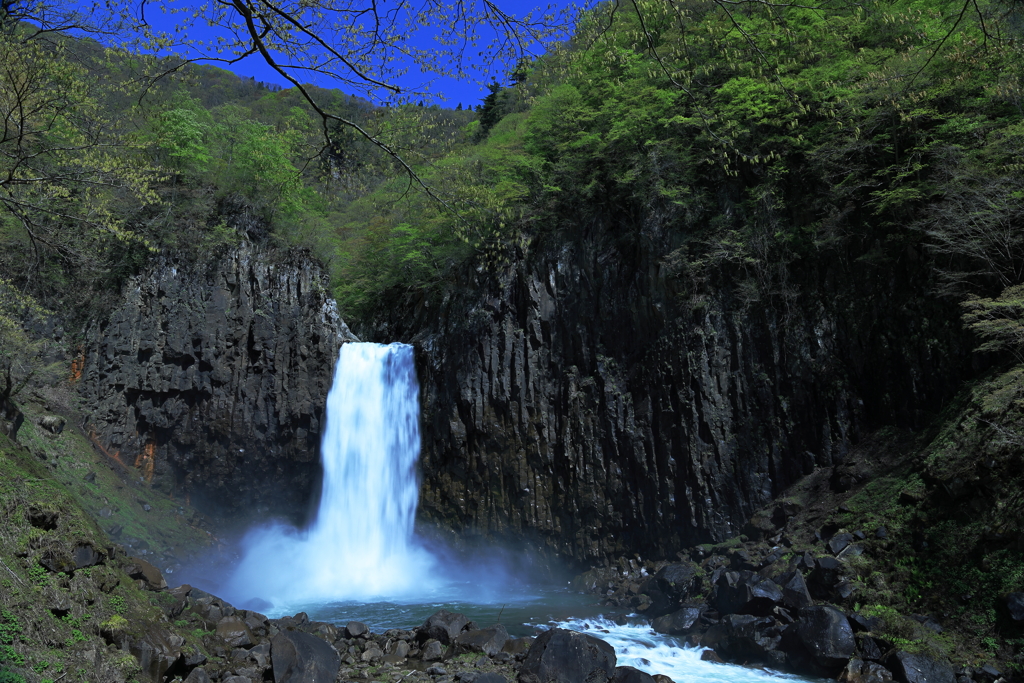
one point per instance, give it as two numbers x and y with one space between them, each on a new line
762 132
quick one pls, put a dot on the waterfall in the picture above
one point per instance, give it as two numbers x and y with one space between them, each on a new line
369 450
361 545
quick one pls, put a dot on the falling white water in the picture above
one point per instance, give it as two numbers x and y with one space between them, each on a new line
361 546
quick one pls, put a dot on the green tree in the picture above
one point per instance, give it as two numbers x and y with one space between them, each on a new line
181 136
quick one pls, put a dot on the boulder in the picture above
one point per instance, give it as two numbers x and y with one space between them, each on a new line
913 668
198 676
561 656
489 641
432 651
827 635
861 623
823 578
679 622
157 651
747 593
859 671
147 573
372 653
354 629
1015 604
52 423
234 631
794 590
490 677
629 674
678 580
747 637
444 626
839 542
174 608
518 646
298 657
869 648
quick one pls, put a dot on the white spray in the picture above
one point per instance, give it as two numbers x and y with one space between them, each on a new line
361 545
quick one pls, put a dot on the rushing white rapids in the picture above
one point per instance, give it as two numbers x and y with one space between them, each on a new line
639 646
361 545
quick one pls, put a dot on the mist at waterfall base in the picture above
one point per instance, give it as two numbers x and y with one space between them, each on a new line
361 549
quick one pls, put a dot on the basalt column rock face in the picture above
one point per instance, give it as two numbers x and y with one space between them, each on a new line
589 402
212 380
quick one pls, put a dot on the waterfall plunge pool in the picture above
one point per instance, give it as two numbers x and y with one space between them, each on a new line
361 561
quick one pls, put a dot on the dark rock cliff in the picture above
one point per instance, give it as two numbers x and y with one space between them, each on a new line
591 402
212 380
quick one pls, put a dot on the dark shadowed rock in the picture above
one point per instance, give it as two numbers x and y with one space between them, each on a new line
489 641
746 637
679 580
912 668
860 623
561 656
679 622
794 590
747 593
444 626
823 578
839 542
869 648
1015 604
827 635
298 657
354 629
629 674
198 676
43 519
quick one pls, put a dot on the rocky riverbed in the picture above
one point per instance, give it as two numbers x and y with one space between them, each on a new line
243 646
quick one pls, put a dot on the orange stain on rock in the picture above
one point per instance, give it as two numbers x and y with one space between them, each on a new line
117 454
77 365
146 460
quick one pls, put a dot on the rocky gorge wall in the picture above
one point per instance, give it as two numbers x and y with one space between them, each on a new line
212 379
591 402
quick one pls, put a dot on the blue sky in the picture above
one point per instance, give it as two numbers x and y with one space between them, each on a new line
468 92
